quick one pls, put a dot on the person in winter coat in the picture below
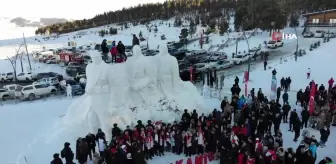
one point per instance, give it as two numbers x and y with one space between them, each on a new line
313 150
278 94
83 152
105 49
252 92
282 83
265 65
285 109
299 96
305 117
325 132
67 154
139 157
114 52
236 81
285 97
260 95
56 160
135 40
289 156
292 119
90 139
121 48
330 83
297 128
308 73
241 102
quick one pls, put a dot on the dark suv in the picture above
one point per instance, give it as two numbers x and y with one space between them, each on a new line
49 74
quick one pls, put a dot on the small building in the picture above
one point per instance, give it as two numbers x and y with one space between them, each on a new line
321 20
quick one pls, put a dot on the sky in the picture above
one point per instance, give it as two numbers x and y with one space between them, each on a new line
69 9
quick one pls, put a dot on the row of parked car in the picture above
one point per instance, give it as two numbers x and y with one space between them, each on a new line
44 84
319 34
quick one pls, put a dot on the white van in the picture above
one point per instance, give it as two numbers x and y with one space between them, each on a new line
319 34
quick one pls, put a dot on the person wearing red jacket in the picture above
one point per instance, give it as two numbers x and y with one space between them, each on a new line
241 158
250 160
114 51
331 83
242 130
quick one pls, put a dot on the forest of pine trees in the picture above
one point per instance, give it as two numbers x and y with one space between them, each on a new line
264 14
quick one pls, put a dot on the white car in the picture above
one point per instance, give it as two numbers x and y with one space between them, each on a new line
217 56
25 76
200 66
274 44
11 89
319 34
330 35
34 91
308 34
239 59
51 81
221 64
7 76
129 52
256 51
4 94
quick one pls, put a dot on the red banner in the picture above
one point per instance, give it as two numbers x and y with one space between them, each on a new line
200 159
311 98
191 73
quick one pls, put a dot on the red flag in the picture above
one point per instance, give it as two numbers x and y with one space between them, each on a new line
191 73
311 99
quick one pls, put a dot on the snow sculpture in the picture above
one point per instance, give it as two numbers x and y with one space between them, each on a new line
171 84
105 93
142 79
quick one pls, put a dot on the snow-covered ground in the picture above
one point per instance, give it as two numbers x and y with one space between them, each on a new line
27 127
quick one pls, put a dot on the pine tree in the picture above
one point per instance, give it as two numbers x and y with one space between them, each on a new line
223 27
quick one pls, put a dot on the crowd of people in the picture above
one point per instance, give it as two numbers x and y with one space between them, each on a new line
246 130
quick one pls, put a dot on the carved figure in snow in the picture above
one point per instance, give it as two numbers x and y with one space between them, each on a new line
183 93
169 75
142 79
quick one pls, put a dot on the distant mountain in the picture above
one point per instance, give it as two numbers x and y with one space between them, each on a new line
22 22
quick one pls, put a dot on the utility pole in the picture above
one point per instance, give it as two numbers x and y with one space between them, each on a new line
24 40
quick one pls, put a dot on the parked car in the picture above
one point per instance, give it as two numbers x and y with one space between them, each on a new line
329 34
7 76
319 34
87 59
52 81
221 64
77 89
274 44
4 94
200 67
240 59
53 60
11 89
34 91
308 34
49 74
79 76
217 56
73 68
25 76
256 51
45 59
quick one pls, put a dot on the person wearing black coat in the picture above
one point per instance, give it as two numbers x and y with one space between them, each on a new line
325 132
278 94
289 156
260 95
285 97
265 65
139 126
67 154
297 128
292 119
57 159
236 81
282 83
121 156
139 157
252 94
105 49
186 116
305 117
135 40
326 160
100 134
91 141
274 72
116 131
224 155
285 109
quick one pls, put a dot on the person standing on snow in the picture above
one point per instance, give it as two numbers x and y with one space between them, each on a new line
104 49
308 73
114 52
69 91
265 65
331 83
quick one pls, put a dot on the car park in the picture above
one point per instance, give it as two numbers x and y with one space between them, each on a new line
34 91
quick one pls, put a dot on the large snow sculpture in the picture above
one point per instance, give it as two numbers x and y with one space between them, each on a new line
142 78
185 94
